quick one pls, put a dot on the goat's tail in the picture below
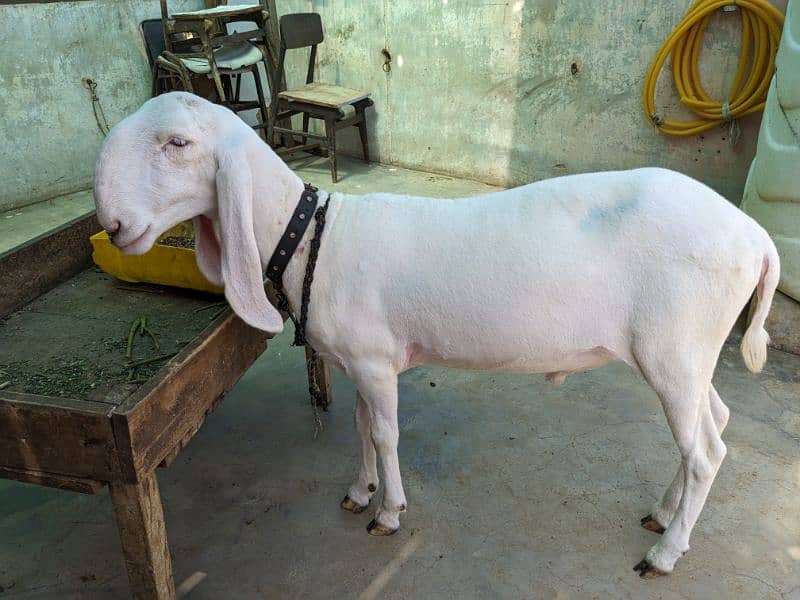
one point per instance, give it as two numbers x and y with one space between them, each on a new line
754 343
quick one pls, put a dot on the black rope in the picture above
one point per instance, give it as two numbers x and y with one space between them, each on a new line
308 279
283 302
276 276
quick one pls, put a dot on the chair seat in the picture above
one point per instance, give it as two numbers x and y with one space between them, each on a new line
217 11
233 57
324 94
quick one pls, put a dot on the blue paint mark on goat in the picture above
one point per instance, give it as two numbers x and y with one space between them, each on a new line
607 217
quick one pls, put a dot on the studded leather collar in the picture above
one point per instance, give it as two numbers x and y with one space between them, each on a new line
292 235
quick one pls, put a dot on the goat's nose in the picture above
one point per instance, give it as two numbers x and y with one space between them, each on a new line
113 228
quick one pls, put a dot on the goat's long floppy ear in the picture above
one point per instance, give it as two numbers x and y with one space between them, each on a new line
240 262
207 250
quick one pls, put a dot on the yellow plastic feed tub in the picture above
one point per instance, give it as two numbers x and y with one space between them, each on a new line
162 265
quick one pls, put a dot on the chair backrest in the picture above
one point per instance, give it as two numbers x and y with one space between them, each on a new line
300 30
155 40
153 34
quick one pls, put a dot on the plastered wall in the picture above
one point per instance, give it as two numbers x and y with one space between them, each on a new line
503 92
511 92
49 139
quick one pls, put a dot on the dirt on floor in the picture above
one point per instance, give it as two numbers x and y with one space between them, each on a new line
93 333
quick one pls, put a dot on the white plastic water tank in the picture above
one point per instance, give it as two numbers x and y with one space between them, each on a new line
772 191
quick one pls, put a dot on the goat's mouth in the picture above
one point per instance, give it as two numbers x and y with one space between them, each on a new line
135 246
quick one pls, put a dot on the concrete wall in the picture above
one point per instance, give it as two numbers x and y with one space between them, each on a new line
49 135
477 89
486 90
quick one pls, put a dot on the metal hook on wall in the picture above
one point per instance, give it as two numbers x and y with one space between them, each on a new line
387 60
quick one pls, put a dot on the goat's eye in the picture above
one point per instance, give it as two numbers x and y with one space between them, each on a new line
180 143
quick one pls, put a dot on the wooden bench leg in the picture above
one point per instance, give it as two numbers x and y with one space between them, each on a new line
140 521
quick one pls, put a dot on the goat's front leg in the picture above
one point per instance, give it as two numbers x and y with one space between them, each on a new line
378 389
361 491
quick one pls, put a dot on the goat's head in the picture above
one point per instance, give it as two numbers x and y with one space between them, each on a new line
181 157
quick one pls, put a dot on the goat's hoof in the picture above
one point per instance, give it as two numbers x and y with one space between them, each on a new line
647 571
375 528
349 505
651 524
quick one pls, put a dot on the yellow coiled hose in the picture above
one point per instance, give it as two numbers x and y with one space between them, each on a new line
761 31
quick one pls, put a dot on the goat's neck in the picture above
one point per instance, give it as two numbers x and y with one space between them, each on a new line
277 190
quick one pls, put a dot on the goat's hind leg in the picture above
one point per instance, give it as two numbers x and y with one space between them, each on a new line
688 408
361 492
664 510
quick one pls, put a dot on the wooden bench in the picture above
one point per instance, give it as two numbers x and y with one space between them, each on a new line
92 426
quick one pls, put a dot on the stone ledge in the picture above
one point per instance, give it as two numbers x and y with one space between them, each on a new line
783 324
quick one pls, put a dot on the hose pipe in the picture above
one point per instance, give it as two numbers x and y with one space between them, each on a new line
761 33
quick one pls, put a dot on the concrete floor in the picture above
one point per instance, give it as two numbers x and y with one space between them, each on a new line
516 489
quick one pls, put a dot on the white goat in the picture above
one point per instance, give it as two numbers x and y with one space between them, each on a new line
646 266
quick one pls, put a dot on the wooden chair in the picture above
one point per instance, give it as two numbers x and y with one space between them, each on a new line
314 100
216 54
168 73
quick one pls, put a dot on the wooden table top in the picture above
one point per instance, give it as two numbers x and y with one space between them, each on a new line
71 342
75 411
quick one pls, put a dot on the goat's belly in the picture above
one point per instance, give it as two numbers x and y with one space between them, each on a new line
529 333
562 362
